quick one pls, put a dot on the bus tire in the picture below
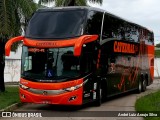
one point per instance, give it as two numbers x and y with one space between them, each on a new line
144 85
99 98
139 90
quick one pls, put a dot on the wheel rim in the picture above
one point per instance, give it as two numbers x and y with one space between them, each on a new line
100 94
144 84
140 86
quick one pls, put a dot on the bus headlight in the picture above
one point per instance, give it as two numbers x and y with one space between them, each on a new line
23 86
75 87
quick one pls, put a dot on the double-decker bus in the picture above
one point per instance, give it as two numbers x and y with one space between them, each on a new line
76 55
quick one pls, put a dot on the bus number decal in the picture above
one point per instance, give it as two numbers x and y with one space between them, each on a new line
36 50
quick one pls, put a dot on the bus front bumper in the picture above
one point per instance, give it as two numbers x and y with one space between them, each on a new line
67 98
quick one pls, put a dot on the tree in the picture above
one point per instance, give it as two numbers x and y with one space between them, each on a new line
12 14
70 2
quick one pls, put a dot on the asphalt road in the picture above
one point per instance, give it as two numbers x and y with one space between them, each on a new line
120 103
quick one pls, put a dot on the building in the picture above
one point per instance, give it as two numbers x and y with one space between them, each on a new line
13 66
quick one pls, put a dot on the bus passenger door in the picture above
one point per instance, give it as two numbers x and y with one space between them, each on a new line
88 68
113 76
117 76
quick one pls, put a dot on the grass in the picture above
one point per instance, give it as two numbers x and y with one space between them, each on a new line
10 96
157 53
151 103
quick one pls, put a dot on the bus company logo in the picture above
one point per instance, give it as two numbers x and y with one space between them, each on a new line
45 93
6 114
124 47
46 44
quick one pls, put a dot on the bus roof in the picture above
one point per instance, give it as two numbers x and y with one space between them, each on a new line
88 8
70 8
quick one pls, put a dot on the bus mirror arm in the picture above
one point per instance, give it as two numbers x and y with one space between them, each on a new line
83 40
10 42
77 47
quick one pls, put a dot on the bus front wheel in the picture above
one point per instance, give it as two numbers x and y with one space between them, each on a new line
144 85
139 90
99 97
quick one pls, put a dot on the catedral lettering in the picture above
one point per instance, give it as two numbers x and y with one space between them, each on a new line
72 63
46 44
124 47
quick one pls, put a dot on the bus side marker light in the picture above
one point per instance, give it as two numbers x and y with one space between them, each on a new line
73 88
70 89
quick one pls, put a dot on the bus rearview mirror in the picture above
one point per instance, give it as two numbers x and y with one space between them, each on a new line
10 42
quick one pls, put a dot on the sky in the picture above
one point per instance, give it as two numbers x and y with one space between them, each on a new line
142 12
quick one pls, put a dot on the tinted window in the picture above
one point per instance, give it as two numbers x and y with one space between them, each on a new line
94 22
56 24
49 64
87 57
112 27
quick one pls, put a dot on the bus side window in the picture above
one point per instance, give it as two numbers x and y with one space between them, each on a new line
104 64
150 38
87 60
94 23
112 64
107 27
112 27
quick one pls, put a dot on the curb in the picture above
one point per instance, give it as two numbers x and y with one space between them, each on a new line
12 107
11 83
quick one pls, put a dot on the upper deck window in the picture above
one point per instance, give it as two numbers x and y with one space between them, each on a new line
58 24
94 22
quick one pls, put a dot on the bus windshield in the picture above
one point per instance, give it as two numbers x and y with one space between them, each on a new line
52 64
56 24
